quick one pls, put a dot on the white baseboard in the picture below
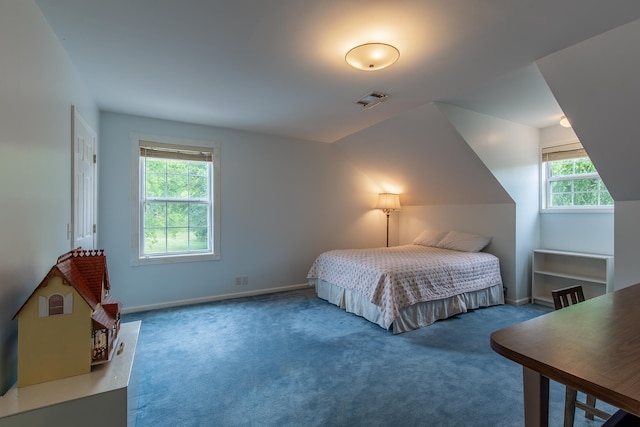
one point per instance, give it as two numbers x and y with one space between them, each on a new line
520 301
212 298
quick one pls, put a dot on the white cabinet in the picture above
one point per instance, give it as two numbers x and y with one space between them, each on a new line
106 397
558 269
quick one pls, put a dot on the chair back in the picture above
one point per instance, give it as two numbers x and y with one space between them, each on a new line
567 296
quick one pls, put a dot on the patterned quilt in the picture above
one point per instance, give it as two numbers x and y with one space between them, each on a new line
397 277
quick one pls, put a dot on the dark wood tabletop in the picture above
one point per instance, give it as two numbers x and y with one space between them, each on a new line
593 346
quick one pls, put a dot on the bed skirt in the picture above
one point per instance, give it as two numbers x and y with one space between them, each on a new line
413 317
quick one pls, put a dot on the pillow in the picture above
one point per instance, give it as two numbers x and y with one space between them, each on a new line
429 238
465 242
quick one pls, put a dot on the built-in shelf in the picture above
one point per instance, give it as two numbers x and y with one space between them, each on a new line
558 269
103 398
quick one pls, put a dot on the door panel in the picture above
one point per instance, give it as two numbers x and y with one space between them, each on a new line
83 213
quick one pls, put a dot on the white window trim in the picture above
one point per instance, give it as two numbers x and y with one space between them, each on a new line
136 260
544 209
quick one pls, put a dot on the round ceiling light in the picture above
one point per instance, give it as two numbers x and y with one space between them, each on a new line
372 56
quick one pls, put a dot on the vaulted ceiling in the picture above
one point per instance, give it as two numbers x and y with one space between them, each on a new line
278 67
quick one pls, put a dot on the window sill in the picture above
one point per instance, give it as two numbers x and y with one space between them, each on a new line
168 259
603 210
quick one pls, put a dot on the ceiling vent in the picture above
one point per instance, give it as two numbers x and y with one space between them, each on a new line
371 100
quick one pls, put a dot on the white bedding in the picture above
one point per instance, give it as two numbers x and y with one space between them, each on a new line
393 279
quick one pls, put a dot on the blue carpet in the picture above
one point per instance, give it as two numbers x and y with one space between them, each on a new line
292 359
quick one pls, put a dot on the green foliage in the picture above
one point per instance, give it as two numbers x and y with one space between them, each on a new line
575 183
176 210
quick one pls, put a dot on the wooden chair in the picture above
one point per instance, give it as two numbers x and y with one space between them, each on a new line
622 419
563 298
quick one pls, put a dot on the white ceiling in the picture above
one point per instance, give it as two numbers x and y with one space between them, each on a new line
278 66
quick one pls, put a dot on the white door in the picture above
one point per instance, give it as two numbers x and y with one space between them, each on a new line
84 177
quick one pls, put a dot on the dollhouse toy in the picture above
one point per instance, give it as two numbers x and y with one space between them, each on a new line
70 322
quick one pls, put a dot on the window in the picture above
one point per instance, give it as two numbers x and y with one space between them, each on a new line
56 304
571 181
176 189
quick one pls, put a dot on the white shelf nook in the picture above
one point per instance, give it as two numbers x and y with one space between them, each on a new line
558 269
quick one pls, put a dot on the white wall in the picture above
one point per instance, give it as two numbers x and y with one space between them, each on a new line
579 232
495 220
627 248
421 155
283 202
38 87
510 151
596 83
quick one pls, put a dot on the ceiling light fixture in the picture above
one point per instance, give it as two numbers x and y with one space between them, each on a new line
564 122
372 56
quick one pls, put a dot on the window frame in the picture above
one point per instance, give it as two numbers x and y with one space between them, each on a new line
55 304
546 180
137 223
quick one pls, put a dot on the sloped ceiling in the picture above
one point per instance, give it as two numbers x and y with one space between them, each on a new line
421 156
278 66
596 83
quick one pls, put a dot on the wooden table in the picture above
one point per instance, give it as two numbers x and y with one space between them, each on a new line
593 346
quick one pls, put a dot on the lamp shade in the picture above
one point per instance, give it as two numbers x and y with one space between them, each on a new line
372 56
564 122
388 202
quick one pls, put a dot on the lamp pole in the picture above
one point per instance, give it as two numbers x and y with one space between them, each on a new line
388 202
388 212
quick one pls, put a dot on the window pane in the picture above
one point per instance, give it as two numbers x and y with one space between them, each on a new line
585 199
562 168
156 165
605 197
177 214
584 165
575 183
177 186
177 167
561 186
199 239
558 200
198 188
178 240
198 168
155 241
155 185
198 215
588 185
155 214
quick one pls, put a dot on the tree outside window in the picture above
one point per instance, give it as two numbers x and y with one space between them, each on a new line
571 180
177 210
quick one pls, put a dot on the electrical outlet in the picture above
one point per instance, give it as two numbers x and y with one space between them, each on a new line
238 281
245 280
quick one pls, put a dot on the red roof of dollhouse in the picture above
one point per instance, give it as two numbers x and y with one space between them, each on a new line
106 314
86 271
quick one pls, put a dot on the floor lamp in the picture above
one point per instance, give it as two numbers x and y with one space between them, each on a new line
388 202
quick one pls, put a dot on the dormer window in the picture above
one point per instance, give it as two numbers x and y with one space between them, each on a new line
570 181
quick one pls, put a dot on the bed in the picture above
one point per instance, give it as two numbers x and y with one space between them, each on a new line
406 287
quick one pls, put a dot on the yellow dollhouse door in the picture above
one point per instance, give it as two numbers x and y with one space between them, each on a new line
83 226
